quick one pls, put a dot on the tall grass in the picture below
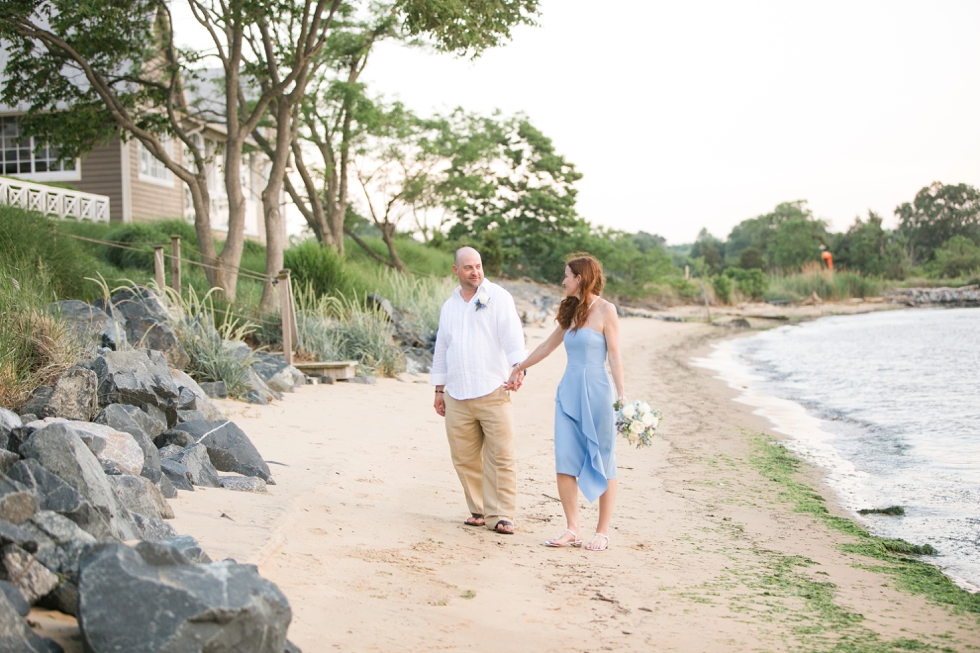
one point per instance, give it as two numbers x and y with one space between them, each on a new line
36 346
337 328
419 258
828 285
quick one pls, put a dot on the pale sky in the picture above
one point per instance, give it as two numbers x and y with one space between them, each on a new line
683 115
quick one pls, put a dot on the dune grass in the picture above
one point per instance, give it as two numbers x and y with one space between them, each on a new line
826 284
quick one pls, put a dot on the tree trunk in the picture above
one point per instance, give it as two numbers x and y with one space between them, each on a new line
387 233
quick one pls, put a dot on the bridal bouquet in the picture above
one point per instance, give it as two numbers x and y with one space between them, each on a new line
637 422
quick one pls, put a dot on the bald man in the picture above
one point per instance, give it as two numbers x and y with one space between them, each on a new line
480 340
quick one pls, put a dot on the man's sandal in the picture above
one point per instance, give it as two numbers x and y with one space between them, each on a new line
603 547
505 524
576 541
475 520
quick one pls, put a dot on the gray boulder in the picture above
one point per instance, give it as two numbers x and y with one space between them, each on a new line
61 451
178 475
184 416
215 389
9 420
17 502
22 569
418 360
198 464
153 529
10 534
140 496
16 599
63 598
57 496
151 333
137 301
243 484
7 460
38 401
166 487
185 434
60 543
131 420
16 635
231 451
139 600
91 325
75 396
184 545
277 375
117 451
139 378
193 396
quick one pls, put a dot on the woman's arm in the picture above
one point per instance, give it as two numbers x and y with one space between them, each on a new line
611 331
539 354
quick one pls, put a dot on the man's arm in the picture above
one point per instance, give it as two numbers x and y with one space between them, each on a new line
510 331
440 370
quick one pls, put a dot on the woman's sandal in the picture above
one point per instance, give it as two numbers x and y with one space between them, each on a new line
604 546
573 542
475 520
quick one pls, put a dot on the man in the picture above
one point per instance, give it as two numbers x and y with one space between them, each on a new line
480 339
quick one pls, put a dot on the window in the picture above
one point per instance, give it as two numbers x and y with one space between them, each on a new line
151 168
22 156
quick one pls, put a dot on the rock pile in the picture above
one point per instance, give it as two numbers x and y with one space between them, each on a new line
86 469
965 296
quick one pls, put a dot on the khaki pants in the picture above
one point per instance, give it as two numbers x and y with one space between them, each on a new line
481 441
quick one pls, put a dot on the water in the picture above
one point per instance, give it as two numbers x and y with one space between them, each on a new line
888 404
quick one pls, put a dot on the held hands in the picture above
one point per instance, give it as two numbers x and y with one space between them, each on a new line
516 379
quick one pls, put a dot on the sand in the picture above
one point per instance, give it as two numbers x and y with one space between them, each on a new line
363 531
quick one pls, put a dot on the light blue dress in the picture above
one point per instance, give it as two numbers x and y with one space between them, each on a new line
585 429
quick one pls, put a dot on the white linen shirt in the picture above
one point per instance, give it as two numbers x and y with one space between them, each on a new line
475 349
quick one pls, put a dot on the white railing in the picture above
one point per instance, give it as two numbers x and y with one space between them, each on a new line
51 200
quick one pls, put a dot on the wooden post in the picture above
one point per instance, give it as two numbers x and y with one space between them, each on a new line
175 263
158 266
290 333
704 293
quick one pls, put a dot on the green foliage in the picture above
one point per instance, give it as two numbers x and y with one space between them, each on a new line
722 285
938 213
797 242
960 256
35 344
29 243
419 258
751 259
867 248
465 26
828 285
710 250
751 283
320 268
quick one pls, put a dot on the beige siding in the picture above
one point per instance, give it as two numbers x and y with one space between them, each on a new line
102 174
153 201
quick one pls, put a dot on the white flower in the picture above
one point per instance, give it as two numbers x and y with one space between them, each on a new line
483 297
648 419
644 407
629 412
632 438
637 427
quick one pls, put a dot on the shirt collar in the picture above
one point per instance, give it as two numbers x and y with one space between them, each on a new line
481 288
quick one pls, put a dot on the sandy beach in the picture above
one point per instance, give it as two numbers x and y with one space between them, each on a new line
363 530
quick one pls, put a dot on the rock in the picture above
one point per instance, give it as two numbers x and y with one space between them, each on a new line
740 323
243 484
22 569
139 378
230 450
17 503
93 326
64 599
178 475
152 333
166 487
170 450
16 635
137 301
153 529
10 534
215 389
140 496
185 545
9 420
418 361
202 400
7 460
259 393
278 376
195 458
292 648
15 598
184 416
363 380
75 396
61 451
57 496
60 542
138 600
133 421
117 451
39 399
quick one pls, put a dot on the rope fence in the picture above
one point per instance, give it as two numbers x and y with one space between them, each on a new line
282 280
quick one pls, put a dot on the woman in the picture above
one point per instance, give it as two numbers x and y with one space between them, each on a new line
585 430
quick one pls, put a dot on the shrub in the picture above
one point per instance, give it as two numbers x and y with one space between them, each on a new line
751 283
319 268
958 257
722 285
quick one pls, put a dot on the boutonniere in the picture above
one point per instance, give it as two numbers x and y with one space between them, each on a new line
482 300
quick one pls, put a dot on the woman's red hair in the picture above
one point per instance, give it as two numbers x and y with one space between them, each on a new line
574 313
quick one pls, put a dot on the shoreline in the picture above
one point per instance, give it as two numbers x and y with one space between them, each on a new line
363 530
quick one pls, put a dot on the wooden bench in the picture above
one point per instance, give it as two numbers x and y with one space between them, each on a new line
337 370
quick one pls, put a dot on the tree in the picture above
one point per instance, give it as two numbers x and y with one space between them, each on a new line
797 241
959 256
868 248
751 259
938 213
760 232
710 250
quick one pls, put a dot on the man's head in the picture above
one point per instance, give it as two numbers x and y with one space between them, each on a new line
468 268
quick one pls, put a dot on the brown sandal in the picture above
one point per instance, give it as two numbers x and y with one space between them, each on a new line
475 520
505 524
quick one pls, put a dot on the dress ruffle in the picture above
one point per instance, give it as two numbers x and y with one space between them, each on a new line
574 400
